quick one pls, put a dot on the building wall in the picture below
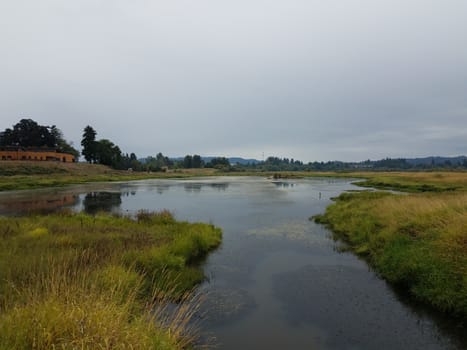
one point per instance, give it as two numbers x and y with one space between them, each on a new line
37 155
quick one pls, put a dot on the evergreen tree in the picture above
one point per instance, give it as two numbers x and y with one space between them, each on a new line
188 162
108 153
89 144
197 162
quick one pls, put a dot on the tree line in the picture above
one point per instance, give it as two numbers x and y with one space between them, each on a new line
27 133
387 164
106 152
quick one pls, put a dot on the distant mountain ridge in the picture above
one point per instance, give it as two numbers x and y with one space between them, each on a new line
436 160
419 162
432 160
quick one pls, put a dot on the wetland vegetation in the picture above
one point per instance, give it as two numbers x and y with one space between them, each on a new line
72 281
417 241
416 181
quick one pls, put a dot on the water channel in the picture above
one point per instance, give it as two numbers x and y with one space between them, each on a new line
278 281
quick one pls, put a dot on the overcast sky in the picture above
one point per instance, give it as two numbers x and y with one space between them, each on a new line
305 79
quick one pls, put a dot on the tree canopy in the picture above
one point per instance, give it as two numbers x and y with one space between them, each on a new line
28 133
218 163
108 153
103 151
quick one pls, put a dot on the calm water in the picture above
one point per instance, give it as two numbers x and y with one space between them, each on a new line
278 281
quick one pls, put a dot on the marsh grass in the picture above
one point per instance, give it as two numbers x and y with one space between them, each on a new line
433 181
418 241
67 281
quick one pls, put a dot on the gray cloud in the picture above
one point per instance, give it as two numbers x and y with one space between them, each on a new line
313 80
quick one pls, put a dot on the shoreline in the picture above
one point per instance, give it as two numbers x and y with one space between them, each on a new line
415 241
21 175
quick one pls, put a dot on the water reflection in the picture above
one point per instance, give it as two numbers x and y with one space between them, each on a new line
39 204
196 187
162 188
283 184
95 202
192 187
220 186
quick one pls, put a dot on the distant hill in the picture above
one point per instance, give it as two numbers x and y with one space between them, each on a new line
232 160
238 160
459 160
286 164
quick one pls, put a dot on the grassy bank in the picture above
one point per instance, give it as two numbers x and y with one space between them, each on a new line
417 241
71 281
433 181
21 175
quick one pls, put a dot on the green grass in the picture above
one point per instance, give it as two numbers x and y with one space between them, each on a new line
72 281
418 241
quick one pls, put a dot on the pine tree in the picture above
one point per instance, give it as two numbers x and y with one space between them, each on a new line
89 144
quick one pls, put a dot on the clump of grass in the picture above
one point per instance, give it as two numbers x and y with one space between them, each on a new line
162 217
418 241
76 281
37 232
87 315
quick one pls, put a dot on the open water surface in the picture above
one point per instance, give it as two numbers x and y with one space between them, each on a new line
278 281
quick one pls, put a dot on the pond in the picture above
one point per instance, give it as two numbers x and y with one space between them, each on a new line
278 281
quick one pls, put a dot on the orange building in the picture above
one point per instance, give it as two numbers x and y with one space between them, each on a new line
35 154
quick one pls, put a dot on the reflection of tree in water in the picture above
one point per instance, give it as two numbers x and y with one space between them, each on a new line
196 187
128 193
101 201
220 186
283 184
192 187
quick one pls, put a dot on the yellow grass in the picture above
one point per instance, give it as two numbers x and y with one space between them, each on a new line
74 281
